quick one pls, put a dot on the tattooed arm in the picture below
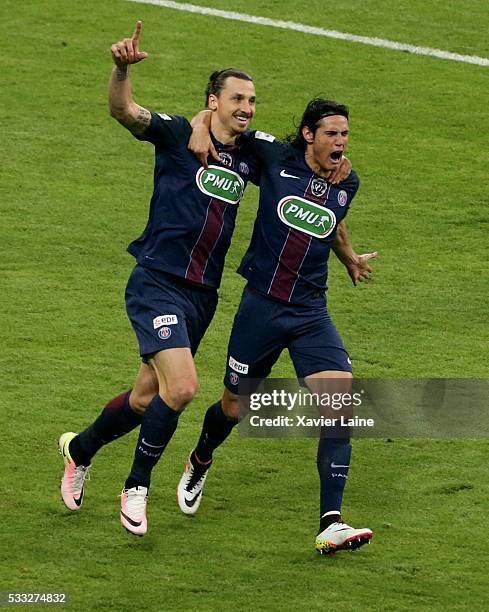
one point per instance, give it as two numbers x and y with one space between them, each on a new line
121 105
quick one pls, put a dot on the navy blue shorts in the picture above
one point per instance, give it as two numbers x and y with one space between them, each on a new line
166 311
264 327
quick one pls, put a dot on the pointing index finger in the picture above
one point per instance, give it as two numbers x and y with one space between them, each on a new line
137 31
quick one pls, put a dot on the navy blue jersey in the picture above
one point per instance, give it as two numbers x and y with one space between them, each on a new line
296 223
193 210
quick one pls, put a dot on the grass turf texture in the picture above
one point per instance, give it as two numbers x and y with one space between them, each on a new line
74 192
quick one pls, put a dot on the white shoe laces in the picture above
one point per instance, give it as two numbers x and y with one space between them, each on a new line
136 502
80 474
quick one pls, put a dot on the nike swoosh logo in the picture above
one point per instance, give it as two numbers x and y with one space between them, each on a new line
152 445
79 500
335 465
129 520
191 502
286 175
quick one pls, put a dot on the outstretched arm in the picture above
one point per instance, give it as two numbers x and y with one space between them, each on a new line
121 105
357 265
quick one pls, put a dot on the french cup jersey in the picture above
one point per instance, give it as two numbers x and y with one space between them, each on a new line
193 210
296 223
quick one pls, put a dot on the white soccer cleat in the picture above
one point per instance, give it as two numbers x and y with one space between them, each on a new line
190 487
74 475
133 510
340 536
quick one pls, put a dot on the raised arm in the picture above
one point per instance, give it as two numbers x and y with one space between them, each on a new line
357 265
121 105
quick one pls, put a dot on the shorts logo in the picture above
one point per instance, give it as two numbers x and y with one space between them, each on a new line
164 320
306 216
226 159
164 116
233 378
243 168
164 333
342 198
318 187
241 368
220 183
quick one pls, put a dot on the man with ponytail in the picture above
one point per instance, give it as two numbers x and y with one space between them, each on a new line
171 295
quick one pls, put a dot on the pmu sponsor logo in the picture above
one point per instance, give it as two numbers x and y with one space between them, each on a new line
306 216
164 320
241 368
220 183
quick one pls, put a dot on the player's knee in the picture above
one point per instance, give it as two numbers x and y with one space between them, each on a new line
230 406
140 401
181 393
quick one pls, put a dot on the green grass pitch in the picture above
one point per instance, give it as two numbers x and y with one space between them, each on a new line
74 191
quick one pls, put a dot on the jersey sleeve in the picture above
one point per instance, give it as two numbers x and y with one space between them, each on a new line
265 147
347 190
165 130
351 186
255 174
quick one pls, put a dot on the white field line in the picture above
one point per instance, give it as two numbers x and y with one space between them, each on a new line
299 27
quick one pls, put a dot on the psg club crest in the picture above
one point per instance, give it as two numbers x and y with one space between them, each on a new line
342 198
318 187
226 159
233 378
164 333
243 168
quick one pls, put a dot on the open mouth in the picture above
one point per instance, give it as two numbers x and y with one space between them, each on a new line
336 156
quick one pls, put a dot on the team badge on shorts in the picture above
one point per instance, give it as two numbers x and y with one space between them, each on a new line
233 378
226 159
164 333
342 198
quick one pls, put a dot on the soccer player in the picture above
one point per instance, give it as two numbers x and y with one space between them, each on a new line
171 294
301 217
